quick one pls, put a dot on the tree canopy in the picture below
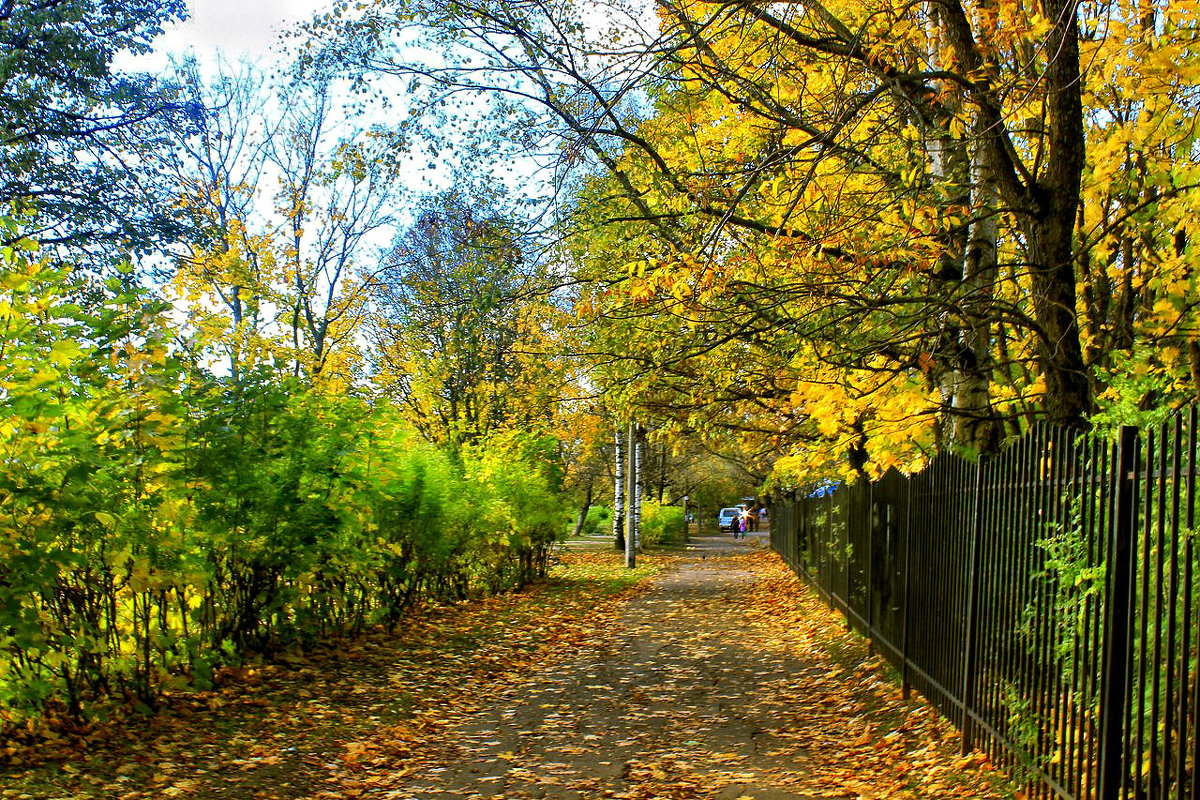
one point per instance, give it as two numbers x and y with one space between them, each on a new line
80 140
850 228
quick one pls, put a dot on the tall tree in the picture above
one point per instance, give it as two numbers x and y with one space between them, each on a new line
228 268
284 207
460 313
336 189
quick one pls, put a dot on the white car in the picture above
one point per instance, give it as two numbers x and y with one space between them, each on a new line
727 520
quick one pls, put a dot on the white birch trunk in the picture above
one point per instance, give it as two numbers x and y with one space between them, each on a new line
638 488
619 491
630 520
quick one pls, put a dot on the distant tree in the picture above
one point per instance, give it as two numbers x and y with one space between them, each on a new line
226 266
336 191
281 204
458 321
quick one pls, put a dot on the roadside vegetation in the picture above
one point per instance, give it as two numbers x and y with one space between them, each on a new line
262 390
317 722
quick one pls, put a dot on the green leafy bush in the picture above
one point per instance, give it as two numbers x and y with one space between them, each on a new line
158 520
661 524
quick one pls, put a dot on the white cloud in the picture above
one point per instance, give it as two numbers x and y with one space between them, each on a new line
238 28
251 27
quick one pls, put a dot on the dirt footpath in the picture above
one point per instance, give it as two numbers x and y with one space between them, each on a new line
725 679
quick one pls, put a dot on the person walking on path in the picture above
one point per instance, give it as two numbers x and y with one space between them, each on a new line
741 528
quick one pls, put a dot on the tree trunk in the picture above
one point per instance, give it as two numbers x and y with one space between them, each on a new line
635 502
1051 233
630 504
619 494
1068 398
581 517
968 262
976 426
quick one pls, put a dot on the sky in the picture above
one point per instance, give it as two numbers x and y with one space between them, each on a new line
238 28
248 30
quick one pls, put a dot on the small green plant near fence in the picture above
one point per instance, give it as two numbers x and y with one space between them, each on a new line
1077 584
1025 726
1074 564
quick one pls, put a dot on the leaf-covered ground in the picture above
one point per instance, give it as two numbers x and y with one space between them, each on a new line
718 676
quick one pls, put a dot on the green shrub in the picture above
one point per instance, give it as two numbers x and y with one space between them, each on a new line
518 506
158 520
661 524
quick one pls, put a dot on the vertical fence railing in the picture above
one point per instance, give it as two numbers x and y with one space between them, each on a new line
1045 599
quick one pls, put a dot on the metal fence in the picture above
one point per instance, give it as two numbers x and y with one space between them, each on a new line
1046 600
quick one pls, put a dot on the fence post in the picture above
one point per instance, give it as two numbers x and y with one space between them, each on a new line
830 551
971 658
905 685
1117 624
870 513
